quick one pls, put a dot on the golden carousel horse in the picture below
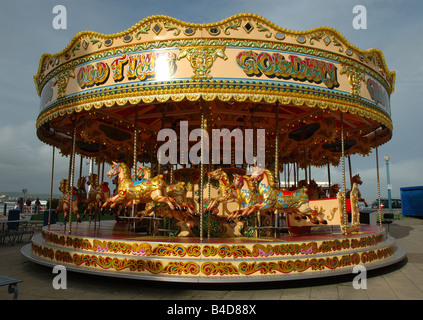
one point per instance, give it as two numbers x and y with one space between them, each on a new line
246 195
356 180
175 191
292 202
226 190
135 192
98 194
70 199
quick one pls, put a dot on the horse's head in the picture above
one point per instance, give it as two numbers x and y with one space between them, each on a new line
216 174
81 182
356 179
238 181
143 173
333 190
63 185
114 170
92 179
256 173
302 184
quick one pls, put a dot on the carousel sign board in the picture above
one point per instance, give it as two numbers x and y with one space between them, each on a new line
257 68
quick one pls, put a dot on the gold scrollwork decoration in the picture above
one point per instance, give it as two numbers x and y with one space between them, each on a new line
61 82
355 77
202 59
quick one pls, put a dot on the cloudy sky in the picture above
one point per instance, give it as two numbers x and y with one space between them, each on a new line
26 32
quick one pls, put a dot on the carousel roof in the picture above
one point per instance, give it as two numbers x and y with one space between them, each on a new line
241 72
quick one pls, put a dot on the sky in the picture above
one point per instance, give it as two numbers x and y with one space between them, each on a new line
26 32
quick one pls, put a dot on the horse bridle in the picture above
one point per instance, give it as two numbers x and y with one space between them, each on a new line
115 170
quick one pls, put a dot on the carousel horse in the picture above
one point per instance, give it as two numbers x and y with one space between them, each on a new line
119 209
357 181
135 192
69 199
333 190
98 194
314 191
295 202
175 191
247 197
226 190
82 192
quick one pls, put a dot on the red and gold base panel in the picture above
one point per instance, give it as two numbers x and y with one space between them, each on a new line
115 251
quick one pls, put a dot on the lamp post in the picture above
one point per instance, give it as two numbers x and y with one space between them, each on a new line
24 191
387 158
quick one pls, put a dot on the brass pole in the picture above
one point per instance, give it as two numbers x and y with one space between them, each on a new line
51 187
71 184
201 172
276 161
378 188
134 177
350 170
344 212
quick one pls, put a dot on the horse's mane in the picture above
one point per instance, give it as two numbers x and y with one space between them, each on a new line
270 177
81 182
249 182
125 168
149 171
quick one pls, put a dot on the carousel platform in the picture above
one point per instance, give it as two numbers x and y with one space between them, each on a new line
112 250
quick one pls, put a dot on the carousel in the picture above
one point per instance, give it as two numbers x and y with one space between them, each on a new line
210 133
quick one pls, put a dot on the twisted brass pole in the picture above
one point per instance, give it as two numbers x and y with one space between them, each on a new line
51 187
276 162
344 200
201 172
72 176
134 177
378 188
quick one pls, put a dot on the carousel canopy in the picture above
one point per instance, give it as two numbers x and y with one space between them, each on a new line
242 72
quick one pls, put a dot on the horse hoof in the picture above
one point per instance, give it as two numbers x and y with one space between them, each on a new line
184 209
177 208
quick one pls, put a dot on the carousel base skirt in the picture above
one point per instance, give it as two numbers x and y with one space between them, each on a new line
111 249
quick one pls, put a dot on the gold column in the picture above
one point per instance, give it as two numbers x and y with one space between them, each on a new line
378 188
72 171
134 176
51 187
344 200
276 162
200 201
